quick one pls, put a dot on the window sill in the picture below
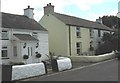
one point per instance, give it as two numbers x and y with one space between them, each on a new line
91 37
5 39
5 57
78 37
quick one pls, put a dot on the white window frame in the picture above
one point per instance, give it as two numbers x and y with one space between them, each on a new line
78 32
35 35
91 33
5 35
15 51
78 47
4 48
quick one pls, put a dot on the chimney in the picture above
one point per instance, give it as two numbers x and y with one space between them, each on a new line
29 12
99 20
49 9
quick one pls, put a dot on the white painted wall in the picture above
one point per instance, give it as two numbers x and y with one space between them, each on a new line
29 12
64 63
29 70
42 49
94 58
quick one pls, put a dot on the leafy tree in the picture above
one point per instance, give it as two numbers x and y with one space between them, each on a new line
110 43
111 21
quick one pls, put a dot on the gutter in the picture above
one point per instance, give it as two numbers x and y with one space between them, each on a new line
69 40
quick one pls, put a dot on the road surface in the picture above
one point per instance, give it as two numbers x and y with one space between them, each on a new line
103 71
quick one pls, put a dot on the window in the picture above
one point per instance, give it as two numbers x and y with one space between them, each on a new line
91 33
91 43
99 33
15 50
91 46
99 43
4 52
78 33
28 51
35 35
78 46
5 35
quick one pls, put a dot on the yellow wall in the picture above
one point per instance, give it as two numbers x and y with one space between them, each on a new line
57 34
85 40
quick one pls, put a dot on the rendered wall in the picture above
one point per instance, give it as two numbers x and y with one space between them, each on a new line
57 34
26 71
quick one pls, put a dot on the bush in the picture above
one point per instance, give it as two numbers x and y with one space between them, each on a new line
25 57
103 49
38 55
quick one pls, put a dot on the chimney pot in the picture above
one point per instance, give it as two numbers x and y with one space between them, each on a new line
49 9
49 3
28 6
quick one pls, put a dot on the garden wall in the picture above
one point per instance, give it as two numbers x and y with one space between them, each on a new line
16 72
62 63
29 70
97 58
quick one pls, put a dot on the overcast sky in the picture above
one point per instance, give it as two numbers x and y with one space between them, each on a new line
86 9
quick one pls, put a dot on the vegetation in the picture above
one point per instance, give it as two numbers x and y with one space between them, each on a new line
111 21
25 57
110 41
38 55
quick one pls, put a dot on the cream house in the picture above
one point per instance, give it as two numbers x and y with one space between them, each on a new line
69 35
22 35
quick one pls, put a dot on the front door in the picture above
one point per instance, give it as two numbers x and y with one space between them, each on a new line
30 54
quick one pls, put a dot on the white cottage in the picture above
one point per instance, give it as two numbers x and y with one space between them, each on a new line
21 36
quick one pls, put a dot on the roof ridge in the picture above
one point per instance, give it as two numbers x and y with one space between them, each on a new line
20 22
76 21
75 17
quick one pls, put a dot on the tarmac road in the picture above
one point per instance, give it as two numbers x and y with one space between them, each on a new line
103 71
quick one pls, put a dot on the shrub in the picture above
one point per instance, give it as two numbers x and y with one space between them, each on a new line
25 57
38 55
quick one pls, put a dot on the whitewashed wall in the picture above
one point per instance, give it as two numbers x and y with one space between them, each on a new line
64 63
26 71
42 49
94 58
43 45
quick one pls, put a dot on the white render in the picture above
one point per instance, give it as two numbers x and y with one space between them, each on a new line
29 70
13 41
29 12
64 63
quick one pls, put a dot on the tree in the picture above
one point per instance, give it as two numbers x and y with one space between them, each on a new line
110 43
111 21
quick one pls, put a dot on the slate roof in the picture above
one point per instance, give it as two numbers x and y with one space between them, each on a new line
20 22
75 21
25 37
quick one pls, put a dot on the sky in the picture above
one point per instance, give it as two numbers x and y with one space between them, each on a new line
86 9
